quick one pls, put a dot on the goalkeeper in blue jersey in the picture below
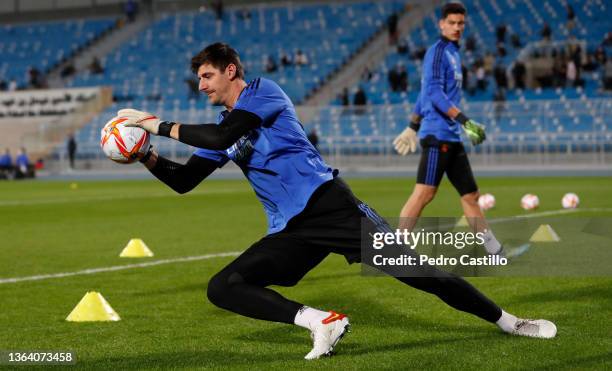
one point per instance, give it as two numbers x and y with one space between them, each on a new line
438 121
311 212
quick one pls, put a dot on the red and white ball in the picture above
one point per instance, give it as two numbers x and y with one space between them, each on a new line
530 202
121 143
486 201
570 201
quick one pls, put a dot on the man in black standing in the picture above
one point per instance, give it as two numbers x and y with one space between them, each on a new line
72 148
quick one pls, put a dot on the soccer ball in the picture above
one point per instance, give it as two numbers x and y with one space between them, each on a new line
486 201
530 202
123 144
570 201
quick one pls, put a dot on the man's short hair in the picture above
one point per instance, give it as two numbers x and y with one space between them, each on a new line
218 55
452 8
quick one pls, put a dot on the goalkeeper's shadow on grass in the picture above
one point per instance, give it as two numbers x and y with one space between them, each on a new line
328 277
276 334
368 313
297 336
351 348
363 311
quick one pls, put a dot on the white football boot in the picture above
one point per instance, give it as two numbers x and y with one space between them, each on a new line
327 334
536 328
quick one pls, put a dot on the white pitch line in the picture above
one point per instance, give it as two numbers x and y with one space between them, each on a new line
537 215
111 197
530 215
235 253
549 213
117 267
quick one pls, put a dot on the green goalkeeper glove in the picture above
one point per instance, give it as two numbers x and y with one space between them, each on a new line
474 130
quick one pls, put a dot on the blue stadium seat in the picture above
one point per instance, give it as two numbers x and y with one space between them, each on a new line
592 23
44 44
327 34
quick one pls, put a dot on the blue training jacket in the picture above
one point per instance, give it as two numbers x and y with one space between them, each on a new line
440 90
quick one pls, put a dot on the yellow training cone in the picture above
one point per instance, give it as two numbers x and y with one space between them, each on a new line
545 233
136 248
462 222
93 307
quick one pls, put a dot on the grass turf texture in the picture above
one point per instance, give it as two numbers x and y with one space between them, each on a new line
47 227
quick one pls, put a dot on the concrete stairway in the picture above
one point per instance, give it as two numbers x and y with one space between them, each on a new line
371 55
100 48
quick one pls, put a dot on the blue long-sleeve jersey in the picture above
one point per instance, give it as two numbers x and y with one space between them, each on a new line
277 158
440 90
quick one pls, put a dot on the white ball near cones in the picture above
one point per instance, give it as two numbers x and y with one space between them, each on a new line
530 202
486 201
570 201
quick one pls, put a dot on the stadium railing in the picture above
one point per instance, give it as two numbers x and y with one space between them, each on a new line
530 133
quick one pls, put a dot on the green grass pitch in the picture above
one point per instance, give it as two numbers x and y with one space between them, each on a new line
167 322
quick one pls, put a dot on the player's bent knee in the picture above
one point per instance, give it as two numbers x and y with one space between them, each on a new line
427 199
424 194
218 289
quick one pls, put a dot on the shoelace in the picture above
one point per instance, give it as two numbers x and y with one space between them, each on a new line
529 326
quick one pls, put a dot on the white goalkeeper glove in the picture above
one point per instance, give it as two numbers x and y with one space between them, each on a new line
145 120
406 142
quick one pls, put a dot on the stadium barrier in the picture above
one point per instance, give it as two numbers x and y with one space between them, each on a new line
521 133
41 119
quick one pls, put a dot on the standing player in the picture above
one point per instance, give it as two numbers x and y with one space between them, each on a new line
440 122
311 212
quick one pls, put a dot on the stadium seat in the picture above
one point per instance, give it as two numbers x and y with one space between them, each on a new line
42 45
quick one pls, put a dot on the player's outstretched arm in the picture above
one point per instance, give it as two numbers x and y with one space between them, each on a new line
209 136
181 178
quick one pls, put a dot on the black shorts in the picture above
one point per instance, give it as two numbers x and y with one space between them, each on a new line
330 223
441 157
